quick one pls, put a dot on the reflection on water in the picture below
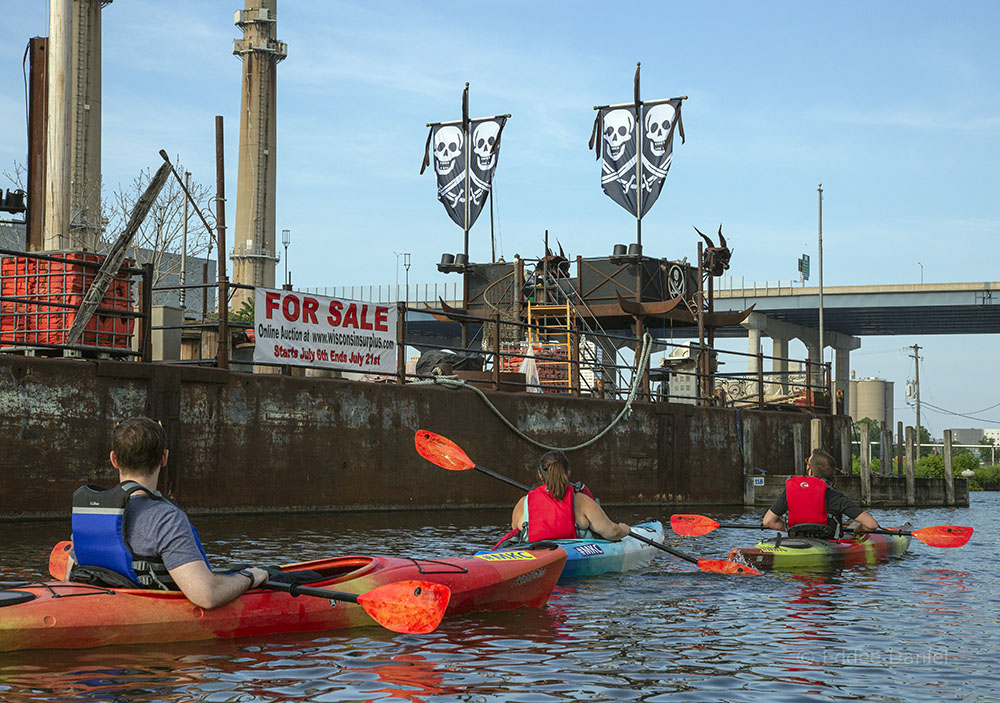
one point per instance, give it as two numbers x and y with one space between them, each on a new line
920 628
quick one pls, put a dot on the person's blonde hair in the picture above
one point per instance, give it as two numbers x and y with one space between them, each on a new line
555 471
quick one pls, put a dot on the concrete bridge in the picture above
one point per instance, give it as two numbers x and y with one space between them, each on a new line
785 312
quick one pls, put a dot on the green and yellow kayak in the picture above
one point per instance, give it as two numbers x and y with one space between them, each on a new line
802 552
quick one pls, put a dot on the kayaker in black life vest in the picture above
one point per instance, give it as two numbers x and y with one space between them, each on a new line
132 536
814 507
560 510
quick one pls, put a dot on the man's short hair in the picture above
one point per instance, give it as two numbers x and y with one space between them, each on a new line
822 464
138 444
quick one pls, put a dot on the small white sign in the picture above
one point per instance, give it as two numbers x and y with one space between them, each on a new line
758 480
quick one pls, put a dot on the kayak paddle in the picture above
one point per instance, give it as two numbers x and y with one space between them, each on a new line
698 525
410 607
945 536
59 560
448 455
937 536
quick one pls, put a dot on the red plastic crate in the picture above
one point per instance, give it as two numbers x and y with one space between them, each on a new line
63 283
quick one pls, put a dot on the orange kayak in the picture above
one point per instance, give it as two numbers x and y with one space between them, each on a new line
61 615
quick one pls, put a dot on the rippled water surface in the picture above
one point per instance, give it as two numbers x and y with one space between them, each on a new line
921 628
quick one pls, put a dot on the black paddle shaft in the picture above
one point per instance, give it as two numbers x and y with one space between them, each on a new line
298 590
509 481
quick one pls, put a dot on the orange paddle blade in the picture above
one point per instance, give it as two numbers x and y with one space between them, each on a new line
692 525
442 451
944 535
723 566
414 607
59 560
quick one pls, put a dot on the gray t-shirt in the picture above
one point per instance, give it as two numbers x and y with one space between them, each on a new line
158 528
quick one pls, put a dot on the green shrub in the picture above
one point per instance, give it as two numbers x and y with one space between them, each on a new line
930 466
986 478
873 466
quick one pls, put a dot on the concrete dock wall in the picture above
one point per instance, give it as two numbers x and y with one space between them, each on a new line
243 442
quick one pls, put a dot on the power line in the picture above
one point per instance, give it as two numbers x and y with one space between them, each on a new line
952 412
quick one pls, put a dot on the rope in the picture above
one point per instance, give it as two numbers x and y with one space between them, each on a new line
643 360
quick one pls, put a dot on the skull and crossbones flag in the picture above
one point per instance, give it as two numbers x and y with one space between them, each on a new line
476 143
619 135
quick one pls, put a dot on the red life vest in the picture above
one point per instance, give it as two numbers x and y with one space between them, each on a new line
806 500
549 518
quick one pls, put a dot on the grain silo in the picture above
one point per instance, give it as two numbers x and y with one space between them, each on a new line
872 397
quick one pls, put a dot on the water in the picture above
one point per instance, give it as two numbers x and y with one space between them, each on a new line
921 628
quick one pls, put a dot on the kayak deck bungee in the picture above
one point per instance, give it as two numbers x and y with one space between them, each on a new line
591 557
65 615
804 552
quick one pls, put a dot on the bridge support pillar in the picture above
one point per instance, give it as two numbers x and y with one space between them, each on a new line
779 350
842 375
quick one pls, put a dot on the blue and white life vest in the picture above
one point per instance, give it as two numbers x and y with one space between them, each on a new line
99 542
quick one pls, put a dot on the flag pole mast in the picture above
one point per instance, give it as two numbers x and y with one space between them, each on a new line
465 137
638 166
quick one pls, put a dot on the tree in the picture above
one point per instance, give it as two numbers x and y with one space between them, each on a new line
161 233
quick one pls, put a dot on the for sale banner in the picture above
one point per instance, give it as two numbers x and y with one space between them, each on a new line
300 329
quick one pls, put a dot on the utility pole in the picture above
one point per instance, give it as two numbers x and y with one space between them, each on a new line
916 392
821 340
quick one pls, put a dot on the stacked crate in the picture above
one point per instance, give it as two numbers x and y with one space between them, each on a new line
553 368
55 290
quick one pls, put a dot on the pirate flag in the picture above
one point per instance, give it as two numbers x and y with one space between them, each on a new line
475 144
485 145
619 135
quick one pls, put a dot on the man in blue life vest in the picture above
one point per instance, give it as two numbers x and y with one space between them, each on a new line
814 507
132 536
560 510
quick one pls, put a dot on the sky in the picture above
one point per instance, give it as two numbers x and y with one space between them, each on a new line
894 106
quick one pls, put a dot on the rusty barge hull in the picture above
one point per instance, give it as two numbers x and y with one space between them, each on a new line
243 442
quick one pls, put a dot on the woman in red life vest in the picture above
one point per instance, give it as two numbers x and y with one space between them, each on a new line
814 508
560 510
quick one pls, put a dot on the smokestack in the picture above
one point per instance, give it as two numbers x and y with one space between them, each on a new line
85 176
73 133
254 249
58 146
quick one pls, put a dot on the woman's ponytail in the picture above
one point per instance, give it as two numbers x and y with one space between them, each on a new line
555 470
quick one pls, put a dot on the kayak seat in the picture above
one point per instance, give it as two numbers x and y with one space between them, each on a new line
813 530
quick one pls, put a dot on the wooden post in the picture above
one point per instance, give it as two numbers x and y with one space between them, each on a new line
845 446
800 458
949 474
899 449
885 450
866 476
815 434
911 483
749 492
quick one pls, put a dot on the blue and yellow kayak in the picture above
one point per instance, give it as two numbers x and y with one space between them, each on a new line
590 557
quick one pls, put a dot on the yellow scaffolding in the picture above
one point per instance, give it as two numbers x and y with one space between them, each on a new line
551 335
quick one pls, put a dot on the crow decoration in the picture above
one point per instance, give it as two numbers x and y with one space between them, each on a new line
715 259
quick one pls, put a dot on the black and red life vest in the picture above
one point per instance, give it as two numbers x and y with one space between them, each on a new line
806 500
